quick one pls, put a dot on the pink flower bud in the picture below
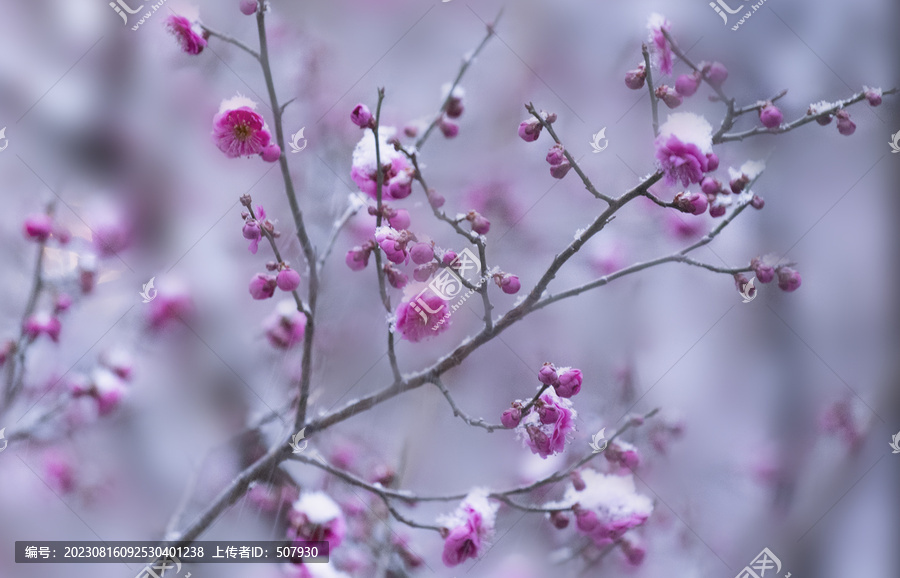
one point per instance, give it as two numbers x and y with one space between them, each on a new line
396 278
710 186
62 303
765 273
717 210
740 283
449 128
422 253
669 96
400 186
411 131
399 220
873 95
454 108
38 227
757 202
252 230
6 349
286 326
577 481
737 185
547 375
357 258
448 257
693 203
788 279
248 7
548 413
845 126
61 234
271 153
509 284
687 84
716 74
480 224
435 200
556 155
560 170
423 272
511 417
569 382
824 119
712 162
559 520
770 116
262 286
287 279
634 551
530 130
634 79
87 273
39 323
361 116
586 520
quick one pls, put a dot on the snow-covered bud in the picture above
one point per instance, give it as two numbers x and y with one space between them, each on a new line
770 116
873 95
511 417
395 277
448 257
716 74
737 185
668 95
693 203
448 128
788 279
710 186
559 520
480 224
634 79
757 202
712 162
763 271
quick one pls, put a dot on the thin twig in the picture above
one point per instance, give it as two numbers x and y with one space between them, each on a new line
230 40
479 422
654 101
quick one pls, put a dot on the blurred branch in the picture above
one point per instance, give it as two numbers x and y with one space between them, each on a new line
654 101
549 127
467 61
230 40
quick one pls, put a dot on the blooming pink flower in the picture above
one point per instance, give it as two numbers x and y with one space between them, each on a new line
287 279
545 439
661 49
770 116
396 170
286 326
238 130
316 517
681 148
568 382
191 37
361 116
687 84
42 322
262 286
469 527
424 316
38 227
634 79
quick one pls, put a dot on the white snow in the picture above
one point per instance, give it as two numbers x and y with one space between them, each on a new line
689 128
318 507
364 153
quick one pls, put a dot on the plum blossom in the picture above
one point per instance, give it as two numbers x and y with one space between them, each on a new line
508 283
396 170
424 316
190 36
623 454
286 326
607 507
38 227
42 323
788 279
687 84
262 286
546 429
661 49
394 243
469 527
316 517
682 147
361 116
634 79
287 279
238 130
173 301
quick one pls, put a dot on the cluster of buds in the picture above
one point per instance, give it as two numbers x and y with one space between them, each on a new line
396 218
788 279
256 225
530 129
717 193
451 111
845 126
106 384
559 163
280 275
45 322
566 382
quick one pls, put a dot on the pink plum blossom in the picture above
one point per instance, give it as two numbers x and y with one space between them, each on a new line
396 170
669 96
361 116
623 454
394 243
358 257
511 417
845 126
568 382
764 271
286 326
693 203
253 233
262 286
422 317
545 439
770 116
634 79
687 84
530 129
715 73
509 284
399 219
172 302
42 323
480 225
191 36
788 279
469 527
38 227
249 7
681 148
661 49
316 517
448 128
873 95
238 130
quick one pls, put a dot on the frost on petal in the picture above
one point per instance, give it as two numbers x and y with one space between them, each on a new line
394 165
546 439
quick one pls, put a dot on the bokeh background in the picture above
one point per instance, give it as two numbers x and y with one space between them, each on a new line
112 125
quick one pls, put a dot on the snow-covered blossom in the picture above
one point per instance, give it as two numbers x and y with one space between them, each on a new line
693 203
425 315
873 95
316 517
763 270
546 429
671 97
845 126
396 170
661 49
607 507
190 36
470 526
394 243
455 106
623 454
286 326
238 130
817 108
42 323
788 279
682 146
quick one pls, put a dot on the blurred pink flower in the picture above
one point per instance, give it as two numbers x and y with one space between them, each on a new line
60 474
286 326
661 49
469 527
42 322
190 36
172 302
38 227
422 317
607 506
545 439
397 179
238 130
316 517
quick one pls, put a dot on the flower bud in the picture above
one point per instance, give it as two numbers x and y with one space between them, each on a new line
765 273
687 84
38 227
560 170
559 520
712 161
788 279
395 277
455 107
873 95
361 116
717 209
548 413
547 375
710 186
509 284
449 128
634 79
716 74
400 186
448 257
423 272
262 286
577 481
556 155
845 126
740 282
770 116
249 7
530 130
271 153
479 224
399 220
511 417
668 95
757 202
569 382
693 203
287 279
251 230
422 253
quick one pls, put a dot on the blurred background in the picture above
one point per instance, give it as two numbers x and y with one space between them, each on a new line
109 126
